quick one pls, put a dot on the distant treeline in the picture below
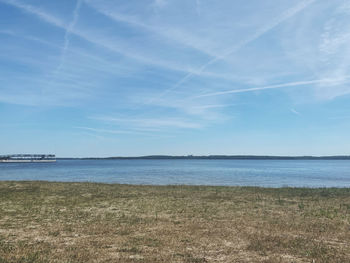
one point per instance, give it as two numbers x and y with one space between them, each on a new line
217 157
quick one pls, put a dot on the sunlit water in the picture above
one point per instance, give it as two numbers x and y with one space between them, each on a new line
274 173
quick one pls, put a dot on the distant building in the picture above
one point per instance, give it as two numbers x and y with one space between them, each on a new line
27 158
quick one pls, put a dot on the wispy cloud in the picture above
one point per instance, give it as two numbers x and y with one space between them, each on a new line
294 111
113 45
38 12
212 106
150 122
261 31
28 37
278 86
320 46
98 40
138 132
108 130
175 34
65 47
69 29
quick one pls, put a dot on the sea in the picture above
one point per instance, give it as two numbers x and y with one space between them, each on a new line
264 173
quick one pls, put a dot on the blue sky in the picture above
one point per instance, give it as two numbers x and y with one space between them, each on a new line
129 78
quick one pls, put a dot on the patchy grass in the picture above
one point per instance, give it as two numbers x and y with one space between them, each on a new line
86 222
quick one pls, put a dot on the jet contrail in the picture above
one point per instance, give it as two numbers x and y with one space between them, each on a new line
67 33
286 15
283 85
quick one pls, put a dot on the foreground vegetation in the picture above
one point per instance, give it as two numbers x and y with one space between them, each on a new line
86 222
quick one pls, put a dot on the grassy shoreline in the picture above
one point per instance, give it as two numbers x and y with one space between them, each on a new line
92 222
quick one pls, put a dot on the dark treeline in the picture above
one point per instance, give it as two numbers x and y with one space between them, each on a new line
218 157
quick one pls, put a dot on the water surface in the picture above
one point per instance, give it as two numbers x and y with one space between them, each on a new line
272 173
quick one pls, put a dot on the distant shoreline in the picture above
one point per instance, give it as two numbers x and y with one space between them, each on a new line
214 157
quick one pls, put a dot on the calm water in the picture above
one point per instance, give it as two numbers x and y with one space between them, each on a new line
274 173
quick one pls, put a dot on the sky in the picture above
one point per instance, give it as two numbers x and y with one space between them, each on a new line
129 78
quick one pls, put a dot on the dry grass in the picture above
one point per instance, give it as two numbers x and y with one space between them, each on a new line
85 222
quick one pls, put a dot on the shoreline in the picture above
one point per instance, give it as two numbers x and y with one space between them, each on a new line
211 157
179 185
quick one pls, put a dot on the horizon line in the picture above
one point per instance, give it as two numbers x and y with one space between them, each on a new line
215 156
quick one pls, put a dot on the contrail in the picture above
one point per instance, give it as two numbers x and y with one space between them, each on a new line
286 15
30 9
67 33
92 39
69 29
52 20
283 85
168 33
